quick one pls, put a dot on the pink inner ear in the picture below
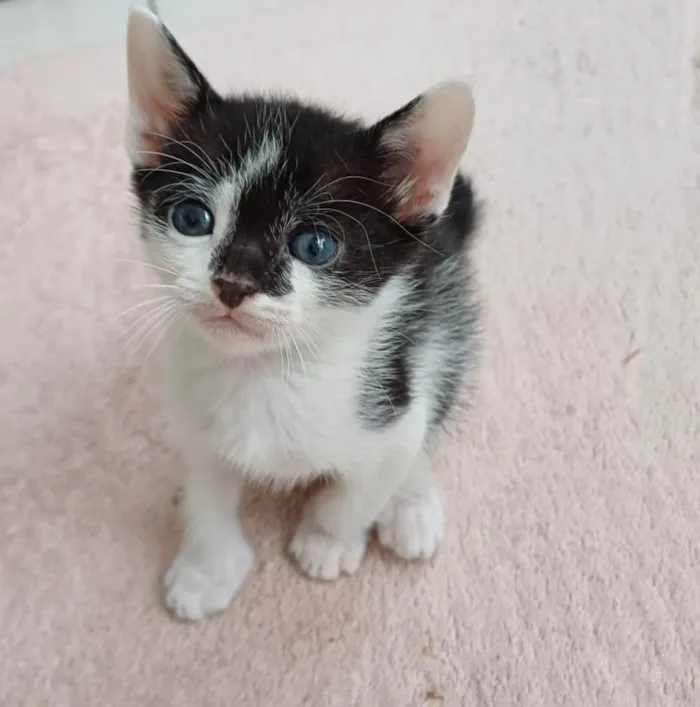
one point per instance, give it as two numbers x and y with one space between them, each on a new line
424 186
149 144
425 149
159 86
424 180
161 114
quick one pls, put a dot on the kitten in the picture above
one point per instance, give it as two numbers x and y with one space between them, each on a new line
324 317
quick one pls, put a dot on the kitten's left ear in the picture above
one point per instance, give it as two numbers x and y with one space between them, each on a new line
164 86
422 145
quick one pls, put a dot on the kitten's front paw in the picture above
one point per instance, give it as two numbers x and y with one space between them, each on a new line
321 556
412 529
199 585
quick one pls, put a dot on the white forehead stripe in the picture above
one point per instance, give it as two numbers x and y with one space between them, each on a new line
258 162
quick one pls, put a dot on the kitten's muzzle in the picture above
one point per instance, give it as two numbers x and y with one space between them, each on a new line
231 294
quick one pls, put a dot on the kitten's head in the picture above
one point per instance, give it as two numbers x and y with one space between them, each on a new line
265 215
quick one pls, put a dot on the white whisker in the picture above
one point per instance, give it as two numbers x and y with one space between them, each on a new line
140 305
146 324
170 319
369 242
153 286
165 168
202 157
381 387
390 217
301 357
148 265
310 344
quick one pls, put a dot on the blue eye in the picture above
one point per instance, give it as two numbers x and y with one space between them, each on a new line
192 219
313 248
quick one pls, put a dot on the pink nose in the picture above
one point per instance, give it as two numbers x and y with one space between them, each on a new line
230 293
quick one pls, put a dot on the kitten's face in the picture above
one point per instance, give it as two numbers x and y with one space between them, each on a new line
263 213
266 217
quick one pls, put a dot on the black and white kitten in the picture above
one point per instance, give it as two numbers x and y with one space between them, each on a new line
323 315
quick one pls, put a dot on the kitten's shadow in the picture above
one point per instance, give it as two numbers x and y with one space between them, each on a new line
269 517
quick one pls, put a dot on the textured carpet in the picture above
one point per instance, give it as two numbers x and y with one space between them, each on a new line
570 572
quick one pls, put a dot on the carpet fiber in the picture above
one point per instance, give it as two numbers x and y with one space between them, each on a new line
570 571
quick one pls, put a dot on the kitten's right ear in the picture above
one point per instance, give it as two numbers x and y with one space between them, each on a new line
164 86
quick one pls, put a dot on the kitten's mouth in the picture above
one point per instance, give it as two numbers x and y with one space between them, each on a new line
234 321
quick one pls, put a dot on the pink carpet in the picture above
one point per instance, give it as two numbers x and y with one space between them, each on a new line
570 572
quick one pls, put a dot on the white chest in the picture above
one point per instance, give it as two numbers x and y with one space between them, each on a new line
272 421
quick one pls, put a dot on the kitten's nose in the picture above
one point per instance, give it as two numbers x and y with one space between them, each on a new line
231 293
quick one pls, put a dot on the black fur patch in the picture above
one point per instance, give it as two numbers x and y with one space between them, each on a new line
441 312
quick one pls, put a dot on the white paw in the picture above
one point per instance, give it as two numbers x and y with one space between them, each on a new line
199 585
322 556
412 528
